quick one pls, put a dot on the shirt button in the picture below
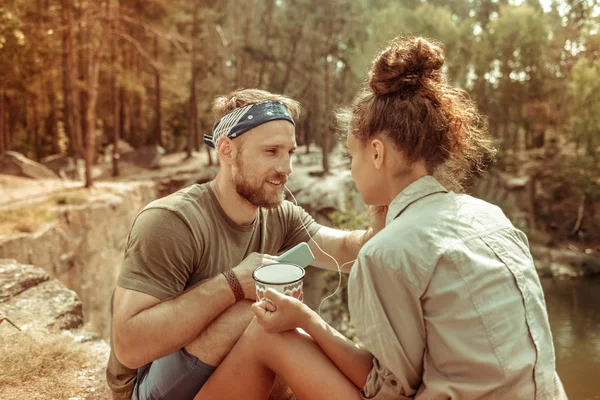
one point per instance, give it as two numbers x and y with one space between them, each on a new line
394 383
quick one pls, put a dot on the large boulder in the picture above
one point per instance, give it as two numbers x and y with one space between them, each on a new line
332 192
13 163
124 148
33 301
62 165
16 278
68 168
145 157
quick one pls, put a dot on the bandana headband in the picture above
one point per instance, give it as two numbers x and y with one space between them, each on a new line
243 119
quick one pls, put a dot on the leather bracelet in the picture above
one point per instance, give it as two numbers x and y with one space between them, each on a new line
234 284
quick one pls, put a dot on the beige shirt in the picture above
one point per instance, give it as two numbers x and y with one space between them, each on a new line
447 298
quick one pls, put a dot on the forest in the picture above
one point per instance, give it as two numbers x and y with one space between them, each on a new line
79 77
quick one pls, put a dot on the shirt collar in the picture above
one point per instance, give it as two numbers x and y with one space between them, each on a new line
417 190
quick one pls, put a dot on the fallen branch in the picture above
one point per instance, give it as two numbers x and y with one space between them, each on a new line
5 318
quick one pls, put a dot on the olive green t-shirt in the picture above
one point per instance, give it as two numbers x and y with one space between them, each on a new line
185 238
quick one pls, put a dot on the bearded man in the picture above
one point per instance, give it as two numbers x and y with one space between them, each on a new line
183 295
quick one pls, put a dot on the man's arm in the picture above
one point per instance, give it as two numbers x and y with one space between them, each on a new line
146 328
345 245
341 245
353 360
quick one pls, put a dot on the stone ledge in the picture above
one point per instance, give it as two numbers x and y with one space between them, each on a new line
16 278
33 301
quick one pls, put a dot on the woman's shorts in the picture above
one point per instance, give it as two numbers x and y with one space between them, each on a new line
381 385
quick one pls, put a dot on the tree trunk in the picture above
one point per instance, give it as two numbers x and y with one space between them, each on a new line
325 138
3 129
11 124
268 25
307 90
52 119
125 110
90 115
157 137
209 154
247 33
85 58
136 116
35 128
70 113
292 59
193 128
115 92
142 127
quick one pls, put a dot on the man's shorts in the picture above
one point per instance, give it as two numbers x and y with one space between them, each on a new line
381 384
179 375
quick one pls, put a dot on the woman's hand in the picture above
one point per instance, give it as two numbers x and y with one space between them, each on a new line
278 312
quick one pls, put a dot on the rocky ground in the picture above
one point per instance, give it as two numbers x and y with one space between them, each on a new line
48 352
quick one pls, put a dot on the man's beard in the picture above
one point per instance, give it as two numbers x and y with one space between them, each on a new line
258 195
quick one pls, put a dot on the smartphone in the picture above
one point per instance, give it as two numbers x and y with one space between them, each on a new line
299 255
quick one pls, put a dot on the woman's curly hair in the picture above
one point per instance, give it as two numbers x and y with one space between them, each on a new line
408 99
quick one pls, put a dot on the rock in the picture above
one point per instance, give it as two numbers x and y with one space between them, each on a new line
46 305
518 182
145 157
61 165
13 163
16 278
124 148
569 262
327 193
565 271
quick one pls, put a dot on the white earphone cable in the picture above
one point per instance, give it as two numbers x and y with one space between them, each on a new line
339 268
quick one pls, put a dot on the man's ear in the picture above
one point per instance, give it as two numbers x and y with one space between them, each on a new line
226 150
377 153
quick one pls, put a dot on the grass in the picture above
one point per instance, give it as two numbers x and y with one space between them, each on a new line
69 199
23 220
43 366
30 219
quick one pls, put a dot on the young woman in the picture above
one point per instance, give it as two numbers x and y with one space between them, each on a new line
445 299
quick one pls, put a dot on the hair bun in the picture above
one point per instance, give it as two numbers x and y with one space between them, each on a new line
405 64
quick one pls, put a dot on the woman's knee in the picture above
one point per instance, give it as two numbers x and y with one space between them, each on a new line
263 342
254 332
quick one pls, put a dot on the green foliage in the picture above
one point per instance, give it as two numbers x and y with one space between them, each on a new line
573 186
352 218
584 91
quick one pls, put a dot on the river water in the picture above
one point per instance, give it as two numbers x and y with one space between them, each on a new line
574 312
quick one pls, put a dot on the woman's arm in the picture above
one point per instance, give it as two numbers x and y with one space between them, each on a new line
280 313
353 360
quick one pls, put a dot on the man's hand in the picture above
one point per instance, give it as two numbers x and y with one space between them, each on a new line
278 312
245 269
377 215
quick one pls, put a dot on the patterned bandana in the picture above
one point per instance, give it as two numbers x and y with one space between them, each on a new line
243 119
